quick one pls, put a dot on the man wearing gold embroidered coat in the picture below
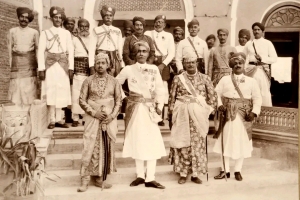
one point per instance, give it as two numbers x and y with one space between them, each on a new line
57 68
241 106
144 105
218 58
192 99
23 48
260 54
81 66
193 45
107 39
100 97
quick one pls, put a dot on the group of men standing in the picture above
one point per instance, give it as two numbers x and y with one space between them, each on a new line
87 70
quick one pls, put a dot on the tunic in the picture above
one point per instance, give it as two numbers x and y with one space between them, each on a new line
97 92
240 48
187 153
80 53
140 142
22 47
56 86
266 50
236 142
185 49
218 62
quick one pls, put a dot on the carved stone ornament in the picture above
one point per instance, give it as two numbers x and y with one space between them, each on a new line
287 16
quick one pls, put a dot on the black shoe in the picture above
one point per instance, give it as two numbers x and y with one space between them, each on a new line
238 176
196 180
64 125
75 123
154 184
51 125
68 115
162 123
182 180
120 116
222 175
137 182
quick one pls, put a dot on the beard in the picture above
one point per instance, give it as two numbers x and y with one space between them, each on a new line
84 33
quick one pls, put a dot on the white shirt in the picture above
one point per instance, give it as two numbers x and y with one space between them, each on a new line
79 50
165 43
264 48
240 48
97 36
62 45
185 49
248 87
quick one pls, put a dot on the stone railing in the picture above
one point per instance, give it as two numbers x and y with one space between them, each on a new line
278 124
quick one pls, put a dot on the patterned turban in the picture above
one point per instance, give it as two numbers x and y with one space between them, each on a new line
193 22
141 43
179 29
260 25
67 20
160 17
244 32
128 24
211 36
81 20
236 56
54 10
106 9
102 56
22 10
140 19
223 30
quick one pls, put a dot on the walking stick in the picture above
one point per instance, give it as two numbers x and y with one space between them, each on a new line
206 158
222 140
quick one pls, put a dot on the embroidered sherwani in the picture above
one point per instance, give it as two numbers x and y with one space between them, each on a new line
190 109
23 47
96 93
185 49
140 142
261 71
81 72
218 62
237 132
108 40
56 42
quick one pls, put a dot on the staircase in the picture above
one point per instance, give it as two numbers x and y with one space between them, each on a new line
261 178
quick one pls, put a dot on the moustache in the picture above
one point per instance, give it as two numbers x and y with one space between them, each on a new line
84 33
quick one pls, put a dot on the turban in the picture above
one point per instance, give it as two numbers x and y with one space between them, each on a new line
141 43
22 10
128 24
211 36
140 19
179 29
102 56
236 56
106 9
223 30
81 20
193 22
67 20
160 17
260 25
54 10
244 32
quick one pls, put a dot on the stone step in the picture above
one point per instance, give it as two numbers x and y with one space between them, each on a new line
164 172
254 184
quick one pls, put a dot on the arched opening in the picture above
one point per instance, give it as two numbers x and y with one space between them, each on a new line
282 24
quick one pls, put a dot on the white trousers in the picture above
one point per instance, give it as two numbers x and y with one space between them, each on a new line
56 114
75 117
150 169
237 167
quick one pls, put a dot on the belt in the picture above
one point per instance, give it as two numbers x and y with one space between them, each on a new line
188 100
140 99
253 63
82 59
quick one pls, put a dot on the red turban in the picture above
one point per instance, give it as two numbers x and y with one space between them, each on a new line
260 25
244 32
140 19
236 56
54 10
193 22
128 24
106 9
22 10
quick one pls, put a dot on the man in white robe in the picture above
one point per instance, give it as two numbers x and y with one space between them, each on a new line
56 69
145 102
260 55
239 99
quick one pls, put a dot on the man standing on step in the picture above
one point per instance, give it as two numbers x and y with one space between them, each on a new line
164 53
218 58
81 66
193 45
260 55
23 48
107 39
57 68
143 140
239 101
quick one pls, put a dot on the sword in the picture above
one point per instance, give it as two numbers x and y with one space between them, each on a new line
106 151
206 159
222 142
